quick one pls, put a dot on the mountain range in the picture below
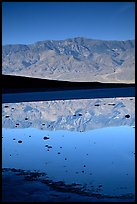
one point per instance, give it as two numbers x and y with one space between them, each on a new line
78 59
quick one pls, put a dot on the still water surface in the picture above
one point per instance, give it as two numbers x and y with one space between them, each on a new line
101 160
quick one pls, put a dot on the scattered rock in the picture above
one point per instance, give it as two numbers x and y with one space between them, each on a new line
127 116
19 141
80 114
97 105
58 152
6 106
14 139
49 147
111 104
7 116
84 165
26 118
29 135
65 158
100 186
82 171
45 138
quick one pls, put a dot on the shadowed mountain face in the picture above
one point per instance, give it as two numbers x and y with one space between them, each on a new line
77 59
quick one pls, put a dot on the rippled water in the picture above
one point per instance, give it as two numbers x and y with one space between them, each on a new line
100 160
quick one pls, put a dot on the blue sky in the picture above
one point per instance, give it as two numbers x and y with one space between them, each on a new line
29 22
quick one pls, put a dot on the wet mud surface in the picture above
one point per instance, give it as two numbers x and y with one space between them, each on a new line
27 186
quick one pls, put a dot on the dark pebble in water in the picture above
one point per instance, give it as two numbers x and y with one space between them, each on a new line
48 150
19 141
60 147
82 171
74 115
49 147
58 152
80 114
7 116
17 123
45 138
43 124
127 116
97 105
65 158
26 118
6 106
29 135
46 145
84 165
14 139
111 104
10 155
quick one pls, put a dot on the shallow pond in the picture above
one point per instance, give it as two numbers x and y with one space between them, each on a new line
101 161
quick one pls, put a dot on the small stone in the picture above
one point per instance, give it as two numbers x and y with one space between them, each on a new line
45 138
58 152
80 114
49 147
19 141
127 116
97 105
6 106
82 171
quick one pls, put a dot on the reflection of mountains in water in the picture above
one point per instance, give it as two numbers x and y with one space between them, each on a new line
78 115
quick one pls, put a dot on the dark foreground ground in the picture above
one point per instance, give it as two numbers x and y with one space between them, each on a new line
22 186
